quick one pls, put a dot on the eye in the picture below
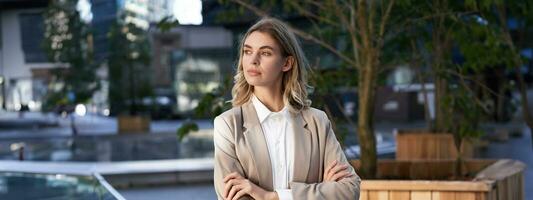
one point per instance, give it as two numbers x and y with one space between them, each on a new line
266 53
247 52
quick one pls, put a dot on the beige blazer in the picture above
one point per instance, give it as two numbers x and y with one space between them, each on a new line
315 146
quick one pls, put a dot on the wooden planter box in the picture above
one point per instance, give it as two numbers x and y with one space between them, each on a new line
133 124
492 180
422 145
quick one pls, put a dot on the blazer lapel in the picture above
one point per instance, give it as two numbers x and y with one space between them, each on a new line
257 145
302 148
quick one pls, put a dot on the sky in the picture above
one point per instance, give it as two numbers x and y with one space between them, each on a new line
185 11
188 11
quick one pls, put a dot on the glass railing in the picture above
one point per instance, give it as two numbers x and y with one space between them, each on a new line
17 185
108 148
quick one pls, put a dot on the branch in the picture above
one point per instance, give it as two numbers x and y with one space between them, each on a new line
350 25
309 14
385 19
464 77
371 14
478 101
252 8
299 32
432 16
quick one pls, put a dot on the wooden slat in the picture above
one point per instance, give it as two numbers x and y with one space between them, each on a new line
429 146
502 189
521 184
482 196
417 195
493 195
378 195
433 169
501 180
483 186
399 195
501 169
363 195
465 195
443 196
383 195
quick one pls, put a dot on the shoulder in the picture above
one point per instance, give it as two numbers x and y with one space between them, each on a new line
315 115
226 119
227 115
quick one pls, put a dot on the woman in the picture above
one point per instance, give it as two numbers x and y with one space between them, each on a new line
272 144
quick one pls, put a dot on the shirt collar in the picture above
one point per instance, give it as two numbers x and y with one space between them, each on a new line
263 112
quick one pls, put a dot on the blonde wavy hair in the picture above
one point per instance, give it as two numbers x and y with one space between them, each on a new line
294 82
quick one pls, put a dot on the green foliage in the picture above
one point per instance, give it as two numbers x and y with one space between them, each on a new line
325 81
427 31
211 105
214 103
185 129
129 68
67 40
466 113
167 23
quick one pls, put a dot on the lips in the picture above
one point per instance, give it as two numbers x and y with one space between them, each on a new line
252 72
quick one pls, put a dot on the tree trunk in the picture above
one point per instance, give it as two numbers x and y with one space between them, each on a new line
441 114
440 49
365 123
133 96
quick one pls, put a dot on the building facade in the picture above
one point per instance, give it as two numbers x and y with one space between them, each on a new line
23 64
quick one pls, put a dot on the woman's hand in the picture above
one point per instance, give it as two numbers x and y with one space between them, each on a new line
336 171
236 186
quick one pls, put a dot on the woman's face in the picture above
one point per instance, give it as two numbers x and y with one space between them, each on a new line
262 60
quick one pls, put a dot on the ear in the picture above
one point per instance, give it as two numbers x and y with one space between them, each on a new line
289 62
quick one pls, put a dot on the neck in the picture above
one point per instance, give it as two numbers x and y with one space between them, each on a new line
270 97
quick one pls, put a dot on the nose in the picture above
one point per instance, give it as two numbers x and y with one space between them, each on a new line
255 59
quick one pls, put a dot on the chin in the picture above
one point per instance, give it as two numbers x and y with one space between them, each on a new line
252 81
255 83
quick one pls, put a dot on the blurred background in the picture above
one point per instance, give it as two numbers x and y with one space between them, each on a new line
115 99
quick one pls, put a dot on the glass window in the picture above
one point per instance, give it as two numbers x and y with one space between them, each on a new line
32 35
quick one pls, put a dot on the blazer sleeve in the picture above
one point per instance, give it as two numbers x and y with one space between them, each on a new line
226 160
346 188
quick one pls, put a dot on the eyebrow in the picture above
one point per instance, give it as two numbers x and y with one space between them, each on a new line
263 47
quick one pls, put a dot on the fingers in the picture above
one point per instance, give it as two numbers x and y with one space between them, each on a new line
331 165
338 168
236 188
233 186
239 194
336 171
232 176
341 175
227 187
228 178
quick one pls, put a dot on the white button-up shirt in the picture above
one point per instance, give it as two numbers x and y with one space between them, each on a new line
278 131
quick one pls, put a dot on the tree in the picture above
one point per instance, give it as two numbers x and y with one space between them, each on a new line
509 39
368 26
129 68
68 42
455 42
